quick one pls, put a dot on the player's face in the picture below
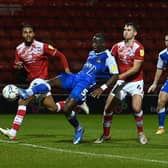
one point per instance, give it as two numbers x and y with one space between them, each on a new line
97 44
166 41
28 34
129 32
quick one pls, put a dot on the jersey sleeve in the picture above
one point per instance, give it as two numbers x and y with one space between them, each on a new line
160 63
111 64
50 50
17 58
139 53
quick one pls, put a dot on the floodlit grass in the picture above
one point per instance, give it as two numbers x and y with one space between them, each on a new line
45 141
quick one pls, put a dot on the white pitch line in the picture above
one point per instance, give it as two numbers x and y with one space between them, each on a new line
86 153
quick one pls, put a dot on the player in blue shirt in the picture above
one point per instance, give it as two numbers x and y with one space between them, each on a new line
163 95
99 60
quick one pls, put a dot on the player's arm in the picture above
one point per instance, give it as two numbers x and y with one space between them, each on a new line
18 64
137 65
158 74
63 60
54 52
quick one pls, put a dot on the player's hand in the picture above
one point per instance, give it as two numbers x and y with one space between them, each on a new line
152 88
67 70
96 93
19 65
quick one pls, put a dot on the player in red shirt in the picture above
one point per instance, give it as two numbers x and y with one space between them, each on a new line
129 55
33 55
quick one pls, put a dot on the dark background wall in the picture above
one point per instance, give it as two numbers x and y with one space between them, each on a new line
69 25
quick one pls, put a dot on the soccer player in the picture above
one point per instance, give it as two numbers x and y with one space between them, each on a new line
33 56
163 95
99 60
129 55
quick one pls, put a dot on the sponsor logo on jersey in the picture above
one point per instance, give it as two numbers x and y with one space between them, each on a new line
141 53
114 68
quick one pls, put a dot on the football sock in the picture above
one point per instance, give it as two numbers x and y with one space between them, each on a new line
161 117
139 121
21 112
107 120
73 120
60 105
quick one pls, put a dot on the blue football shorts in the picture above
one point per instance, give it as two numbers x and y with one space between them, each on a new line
78 88
165 87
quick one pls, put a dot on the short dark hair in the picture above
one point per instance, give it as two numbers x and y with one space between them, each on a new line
100 36
27 25
135 27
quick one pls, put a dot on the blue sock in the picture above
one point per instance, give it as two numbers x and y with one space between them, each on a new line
161 117
74 121
41 88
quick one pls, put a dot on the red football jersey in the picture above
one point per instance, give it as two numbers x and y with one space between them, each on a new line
35 58
125 56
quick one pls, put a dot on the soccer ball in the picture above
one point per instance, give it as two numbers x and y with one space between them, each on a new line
10 92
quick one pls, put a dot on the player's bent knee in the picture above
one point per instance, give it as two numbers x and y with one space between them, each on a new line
22 102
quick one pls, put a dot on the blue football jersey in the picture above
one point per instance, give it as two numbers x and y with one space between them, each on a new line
163 59
96 64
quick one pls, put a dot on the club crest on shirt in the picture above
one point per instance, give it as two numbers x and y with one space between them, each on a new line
141 53
98 61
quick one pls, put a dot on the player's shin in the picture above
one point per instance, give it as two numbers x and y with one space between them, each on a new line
107 120
139 121
72 119
21 112
161 117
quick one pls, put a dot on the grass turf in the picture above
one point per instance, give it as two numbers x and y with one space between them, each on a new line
46 141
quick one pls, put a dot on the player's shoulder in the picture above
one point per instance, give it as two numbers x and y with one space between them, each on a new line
108 52
163 51
38 43
118 44
138 44
21 45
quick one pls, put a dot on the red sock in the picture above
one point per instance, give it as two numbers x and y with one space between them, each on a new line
21 112
107 120
139 121
60 105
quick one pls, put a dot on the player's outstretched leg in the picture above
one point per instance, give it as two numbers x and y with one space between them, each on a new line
38 88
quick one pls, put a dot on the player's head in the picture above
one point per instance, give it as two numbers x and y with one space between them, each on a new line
28 34
98 42
166 40
130 31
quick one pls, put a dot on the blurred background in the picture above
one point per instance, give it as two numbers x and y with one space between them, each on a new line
69 26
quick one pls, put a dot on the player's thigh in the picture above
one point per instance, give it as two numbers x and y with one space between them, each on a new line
70 103
137 103
49 103
111 103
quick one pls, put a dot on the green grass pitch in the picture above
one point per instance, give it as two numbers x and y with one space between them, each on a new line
45 141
